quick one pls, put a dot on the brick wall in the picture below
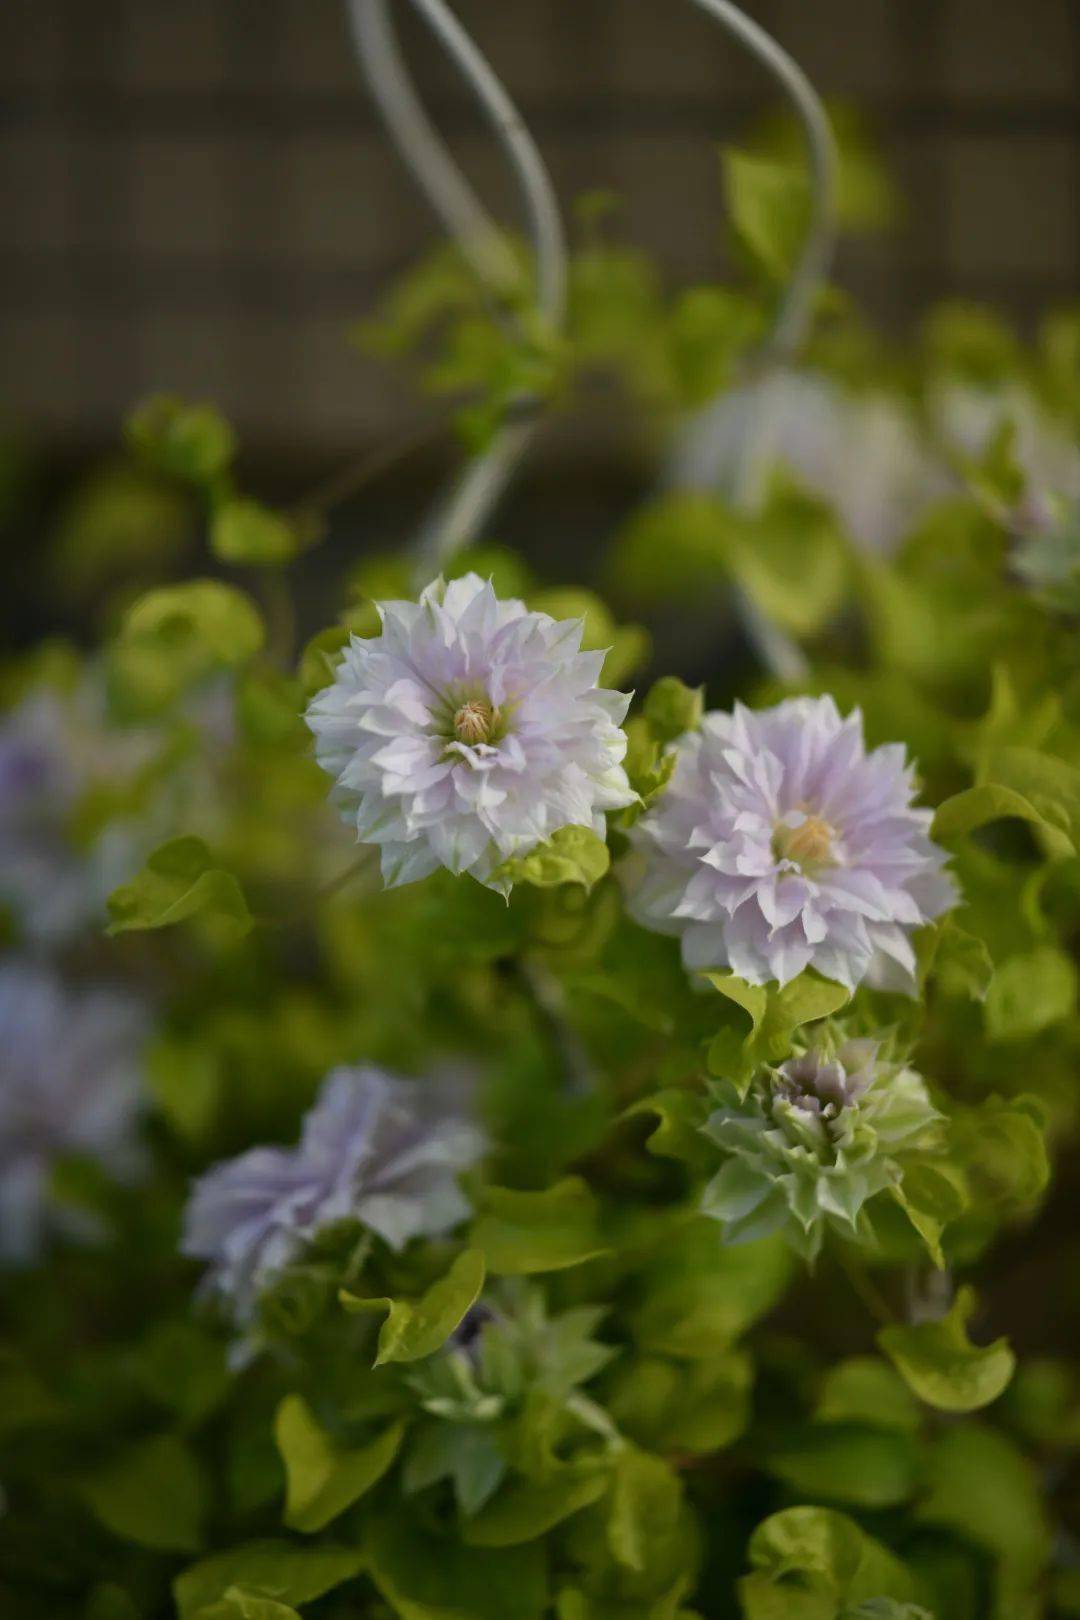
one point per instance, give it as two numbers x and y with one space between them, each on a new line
196 194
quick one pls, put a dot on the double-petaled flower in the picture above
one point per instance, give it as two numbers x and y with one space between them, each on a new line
380 1151
468 732
782 844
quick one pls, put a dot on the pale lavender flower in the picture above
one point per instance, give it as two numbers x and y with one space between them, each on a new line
858 452
781 844
55 750
381 1151
469 732
70 1067
968 419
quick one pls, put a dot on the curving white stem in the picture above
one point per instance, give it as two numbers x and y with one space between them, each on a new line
542 209
796 306
777 650
425 155
461 514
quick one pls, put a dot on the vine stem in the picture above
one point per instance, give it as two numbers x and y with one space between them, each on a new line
461 514
797 304
778 651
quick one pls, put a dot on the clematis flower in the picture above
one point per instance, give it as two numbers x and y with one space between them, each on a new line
54 751
469 732
813 1141
374 1149
1046 452
782 844
69 1087
860 453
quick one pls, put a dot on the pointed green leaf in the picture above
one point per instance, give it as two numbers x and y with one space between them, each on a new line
774 1015
290 1573
677 1135
645 1506
427 1576
571 855
526 1509
671 708
769 207
153 1494
416 1328
525 1232
321 1479
865 1389
932 1194
178 881
847 1462
942 1366
240 1603
975 806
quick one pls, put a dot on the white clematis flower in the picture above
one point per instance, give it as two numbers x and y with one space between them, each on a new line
468 733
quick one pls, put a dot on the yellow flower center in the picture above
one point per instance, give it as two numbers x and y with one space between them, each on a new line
809 844
475 722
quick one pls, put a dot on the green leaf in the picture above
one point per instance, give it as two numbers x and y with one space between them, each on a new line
769 207
153 1494
672 708
959 961
975 806
426 1576
698 1294
240 1603
184 1077
179 881
670 1406
282 1570
847 1462
774 1015
981 1487
181 1365
942 1366
791 560
173 637
527 1509
107 1601
221 620
811 1563
932 1194
1000 1146
1030 992
865 1389
416 1328
571 855
468 1454
244 532
191 442
1049 784
525 1232
680 1114
646 1500
321 1479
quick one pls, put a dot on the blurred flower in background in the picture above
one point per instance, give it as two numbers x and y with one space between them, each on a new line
381 1151
70 1082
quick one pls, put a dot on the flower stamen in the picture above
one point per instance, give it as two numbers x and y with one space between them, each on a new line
809 844
475 722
